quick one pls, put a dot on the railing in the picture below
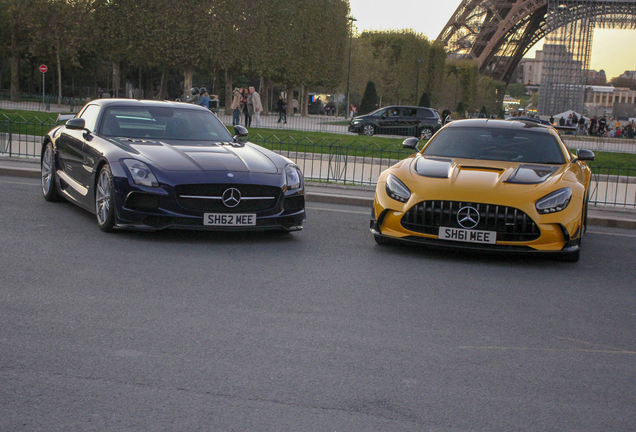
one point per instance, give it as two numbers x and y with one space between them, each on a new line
35 102
351 162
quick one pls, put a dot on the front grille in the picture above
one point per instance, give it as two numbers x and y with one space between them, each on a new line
511 224
207 197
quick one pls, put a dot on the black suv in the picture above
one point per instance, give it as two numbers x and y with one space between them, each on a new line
398 120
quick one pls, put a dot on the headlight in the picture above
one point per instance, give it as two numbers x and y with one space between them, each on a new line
356 121
292 176
554 202
141 174
396 189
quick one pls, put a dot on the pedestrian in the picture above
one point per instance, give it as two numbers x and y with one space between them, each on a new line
100 92
551 120
281 107
244 108
295 105
446 115
561 121
194 99
236 106
602 123
581 125
204 98
592 128
254 100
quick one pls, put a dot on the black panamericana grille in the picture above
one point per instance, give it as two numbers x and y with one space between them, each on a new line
511 224
207 197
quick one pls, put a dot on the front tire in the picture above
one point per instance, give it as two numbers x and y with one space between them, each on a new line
49 182
426 134
368 130
104 203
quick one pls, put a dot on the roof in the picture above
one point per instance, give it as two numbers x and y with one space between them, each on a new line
499 124
104 102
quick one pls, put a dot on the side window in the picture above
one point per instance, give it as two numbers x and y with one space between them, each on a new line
90 117
428 114
409 112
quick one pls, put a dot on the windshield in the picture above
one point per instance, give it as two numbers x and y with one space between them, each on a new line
163 123
508 145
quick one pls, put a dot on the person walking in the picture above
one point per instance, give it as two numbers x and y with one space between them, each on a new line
236 106
281 107
254 100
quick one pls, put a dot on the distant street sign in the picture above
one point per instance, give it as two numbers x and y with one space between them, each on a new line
43 68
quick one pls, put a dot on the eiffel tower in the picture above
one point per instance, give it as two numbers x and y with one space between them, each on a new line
498 33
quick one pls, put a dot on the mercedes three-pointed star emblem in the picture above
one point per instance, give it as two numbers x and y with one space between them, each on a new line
468 217
231 197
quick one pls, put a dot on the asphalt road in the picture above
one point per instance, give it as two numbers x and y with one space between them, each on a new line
320 330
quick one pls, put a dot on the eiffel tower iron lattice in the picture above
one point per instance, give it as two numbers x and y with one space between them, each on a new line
498 33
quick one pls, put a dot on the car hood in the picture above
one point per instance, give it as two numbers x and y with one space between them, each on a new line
465 178
205 156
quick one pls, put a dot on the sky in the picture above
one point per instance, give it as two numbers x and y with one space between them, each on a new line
612 50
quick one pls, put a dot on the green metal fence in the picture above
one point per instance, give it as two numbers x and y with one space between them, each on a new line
350 163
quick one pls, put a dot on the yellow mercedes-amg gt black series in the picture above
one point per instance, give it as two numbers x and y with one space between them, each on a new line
487 184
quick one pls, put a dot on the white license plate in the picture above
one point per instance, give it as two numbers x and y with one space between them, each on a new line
470 236
225 219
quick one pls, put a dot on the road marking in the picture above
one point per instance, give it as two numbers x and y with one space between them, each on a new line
339 211
613 234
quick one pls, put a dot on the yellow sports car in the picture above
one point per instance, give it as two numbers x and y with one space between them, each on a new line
487 184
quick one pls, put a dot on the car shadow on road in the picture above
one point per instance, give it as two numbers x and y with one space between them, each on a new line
474 256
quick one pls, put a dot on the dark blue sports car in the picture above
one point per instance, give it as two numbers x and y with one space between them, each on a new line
150 165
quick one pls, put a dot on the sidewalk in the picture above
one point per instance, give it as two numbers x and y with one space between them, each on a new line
362 196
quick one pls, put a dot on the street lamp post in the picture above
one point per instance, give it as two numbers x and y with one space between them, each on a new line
351 20
417 81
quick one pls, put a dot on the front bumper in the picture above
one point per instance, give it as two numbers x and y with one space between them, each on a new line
557 233
152 209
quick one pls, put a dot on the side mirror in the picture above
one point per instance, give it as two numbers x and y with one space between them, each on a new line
240 131
76 124
584 155
410 143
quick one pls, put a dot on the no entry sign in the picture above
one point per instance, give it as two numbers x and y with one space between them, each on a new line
43 68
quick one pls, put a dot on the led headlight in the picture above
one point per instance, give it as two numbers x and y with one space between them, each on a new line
292 176
554 202
396 189
141 174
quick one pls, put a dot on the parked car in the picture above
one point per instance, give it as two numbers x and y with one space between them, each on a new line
150 165
491 185
398 120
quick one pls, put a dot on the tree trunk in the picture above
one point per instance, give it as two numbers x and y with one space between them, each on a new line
116 79
304 106
59 74
15 69
262 91
164 84
228 91
265 99
187 82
